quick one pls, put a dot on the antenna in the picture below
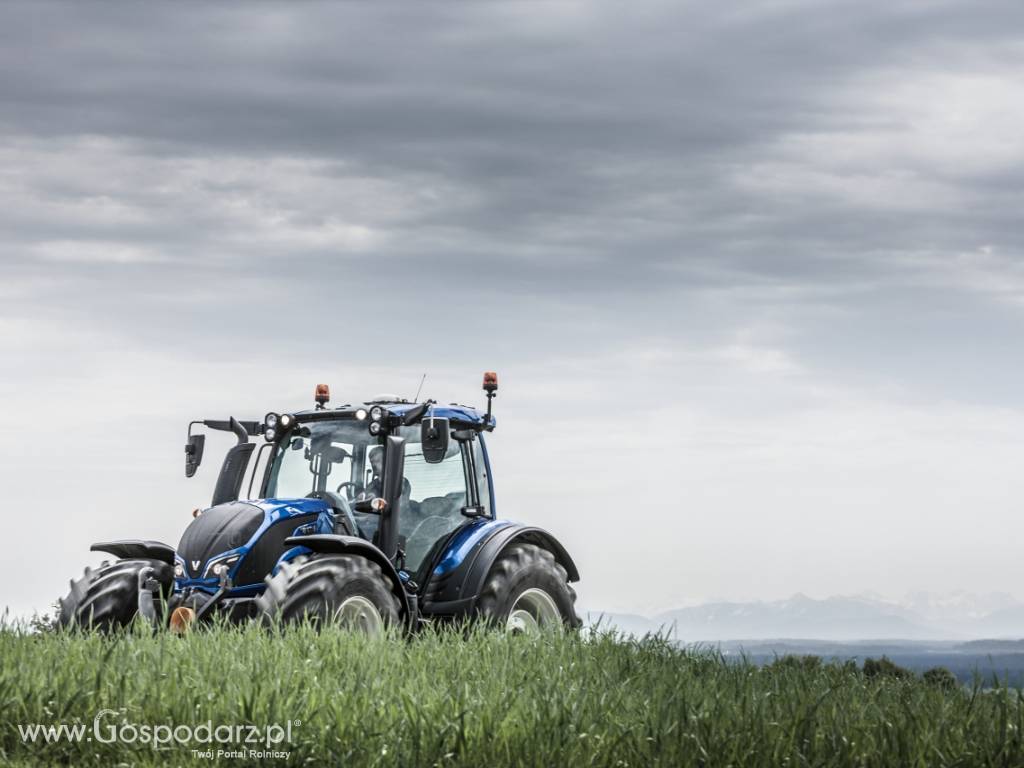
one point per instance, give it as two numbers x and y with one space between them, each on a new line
420 389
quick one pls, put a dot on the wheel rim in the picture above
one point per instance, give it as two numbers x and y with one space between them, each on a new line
533 611
360 614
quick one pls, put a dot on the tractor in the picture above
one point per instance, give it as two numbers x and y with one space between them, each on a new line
365 517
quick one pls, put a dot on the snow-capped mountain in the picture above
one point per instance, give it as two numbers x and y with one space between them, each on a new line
920 616
958 608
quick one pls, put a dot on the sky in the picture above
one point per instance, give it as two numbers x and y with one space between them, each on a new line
751 276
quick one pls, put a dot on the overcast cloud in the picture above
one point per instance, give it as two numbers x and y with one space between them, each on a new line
752 277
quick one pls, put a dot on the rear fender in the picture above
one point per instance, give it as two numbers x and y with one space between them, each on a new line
333 544
454 593
132 548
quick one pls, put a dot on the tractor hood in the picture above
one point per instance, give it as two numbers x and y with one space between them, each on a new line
242 525
218 529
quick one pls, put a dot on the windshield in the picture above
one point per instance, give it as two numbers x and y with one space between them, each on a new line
324 456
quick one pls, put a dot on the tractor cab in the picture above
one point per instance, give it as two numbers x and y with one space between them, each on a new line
332 455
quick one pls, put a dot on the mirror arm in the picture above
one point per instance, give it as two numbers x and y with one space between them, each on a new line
416 414
252 428
239 430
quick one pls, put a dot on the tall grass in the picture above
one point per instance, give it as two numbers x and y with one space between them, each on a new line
481 699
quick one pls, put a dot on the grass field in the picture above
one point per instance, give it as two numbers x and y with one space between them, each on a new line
481 700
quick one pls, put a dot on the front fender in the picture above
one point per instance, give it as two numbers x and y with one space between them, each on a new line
132 548
335 544
288 556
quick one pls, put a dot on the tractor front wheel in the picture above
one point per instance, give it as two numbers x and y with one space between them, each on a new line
348 591
526 591
108 597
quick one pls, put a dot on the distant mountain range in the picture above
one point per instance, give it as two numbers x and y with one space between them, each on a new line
919 616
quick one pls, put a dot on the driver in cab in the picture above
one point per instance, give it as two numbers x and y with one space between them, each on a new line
368 523
376 485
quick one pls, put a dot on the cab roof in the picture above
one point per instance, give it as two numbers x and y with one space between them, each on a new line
453 411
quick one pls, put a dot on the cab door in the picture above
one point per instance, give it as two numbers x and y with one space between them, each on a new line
433 498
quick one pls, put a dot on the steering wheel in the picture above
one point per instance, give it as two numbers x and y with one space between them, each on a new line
348 484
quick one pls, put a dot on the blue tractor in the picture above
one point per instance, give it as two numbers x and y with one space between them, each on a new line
376 515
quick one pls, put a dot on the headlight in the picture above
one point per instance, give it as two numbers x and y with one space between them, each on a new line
270 420
270 435
286 421
376 413
217 567
361 414
375 428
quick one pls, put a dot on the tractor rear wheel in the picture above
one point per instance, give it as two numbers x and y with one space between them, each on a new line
348 591
108 597
526 591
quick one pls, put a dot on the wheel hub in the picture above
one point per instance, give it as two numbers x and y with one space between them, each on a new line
533 611
360 614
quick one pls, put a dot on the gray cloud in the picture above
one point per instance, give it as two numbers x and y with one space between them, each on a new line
792 208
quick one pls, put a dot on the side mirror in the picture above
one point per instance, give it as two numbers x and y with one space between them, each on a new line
434 437
194 453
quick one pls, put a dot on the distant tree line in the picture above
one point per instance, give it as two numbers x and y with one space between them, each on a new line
883 668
